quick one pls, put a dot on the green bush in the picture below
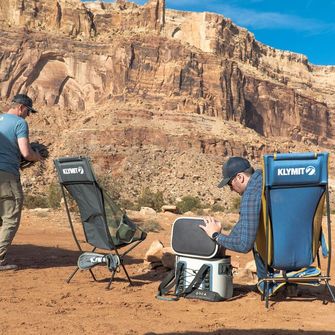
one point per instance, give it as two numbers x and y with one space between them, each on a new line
54 196
151 199
35 201
217 208
199 211
188 203
151 226
127 204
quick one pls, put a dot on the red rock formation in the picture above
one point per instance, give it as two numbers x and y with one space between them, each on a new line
118 82
193 62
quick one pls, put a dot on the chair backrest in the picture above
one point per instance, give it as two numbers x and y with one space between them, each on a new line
76 176
295 186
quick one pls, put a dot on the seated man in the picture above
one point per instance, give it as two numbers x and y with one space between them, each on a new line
244 180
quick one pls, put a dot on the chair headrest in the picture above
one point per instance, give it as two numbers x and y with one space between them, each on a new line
74 170
296 169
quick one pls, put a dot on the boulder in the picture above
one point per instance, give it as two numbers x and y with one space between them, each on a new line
168 258
155 252
147 211
251 266
169 208
246 276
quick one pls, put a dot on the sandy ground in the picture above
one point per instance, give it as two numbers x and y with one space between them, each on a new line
37 300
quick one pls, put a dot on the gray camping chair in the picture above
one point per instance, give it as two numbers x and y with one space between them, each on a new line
105 225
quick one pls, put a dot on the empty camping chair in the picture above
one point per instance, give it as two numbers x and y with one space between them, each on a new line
105 225
290 232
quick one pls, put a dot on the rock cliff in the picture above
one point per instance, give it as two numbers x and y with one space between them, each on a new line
158 97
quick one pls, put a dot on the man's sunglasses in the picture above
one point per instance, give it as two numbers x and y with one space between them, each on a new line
231 180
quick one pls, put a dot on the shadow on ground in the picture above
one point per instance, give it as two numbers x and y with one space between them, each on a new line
251 332
29 256
35 256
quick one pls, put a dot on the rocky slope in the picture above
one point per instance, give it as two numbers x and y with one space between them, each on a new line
158 97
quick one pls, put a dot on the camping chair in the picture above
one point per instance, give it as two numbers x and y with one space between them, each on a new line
295 190
105 225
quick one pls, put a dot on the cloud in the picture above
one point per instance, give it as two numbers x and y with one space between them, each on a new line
272 20
254 19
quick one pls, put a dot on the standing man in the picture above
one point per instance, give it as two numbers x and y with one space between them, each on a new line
248 183
14 142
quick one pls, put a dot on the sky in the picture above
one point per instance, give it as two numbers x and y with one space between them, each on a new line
301 26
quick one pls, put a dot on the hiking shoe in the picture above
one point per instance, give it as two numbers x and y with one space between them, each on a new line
8 267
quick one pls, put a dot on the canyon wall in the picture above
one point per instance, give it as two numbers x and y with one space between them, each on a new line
132 86
74 54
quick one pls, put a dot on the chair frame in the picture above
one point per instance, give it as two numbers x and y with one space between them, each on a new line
270 279
113 247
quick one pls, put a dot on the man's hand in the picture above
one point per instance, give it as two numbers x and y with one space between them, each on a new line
36 152
40 150
211 226
38 156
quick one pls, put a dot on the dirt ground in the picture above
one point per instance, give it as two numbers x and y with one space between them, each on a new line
37 300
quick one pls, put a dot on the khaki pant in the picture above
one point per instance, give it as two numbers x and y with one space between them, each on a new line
11 201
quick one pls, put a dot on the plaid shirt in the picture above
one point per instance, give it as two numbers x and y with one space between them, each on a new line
243 235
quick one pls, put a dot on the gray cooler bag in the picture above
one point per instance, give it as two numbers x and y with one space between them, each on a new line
199 272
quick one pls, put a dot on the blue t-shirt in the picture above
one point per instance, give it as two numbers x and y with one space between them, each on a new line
12 127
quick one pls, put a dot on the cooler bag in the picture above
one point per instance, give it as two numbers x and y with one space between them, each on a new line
197 274
215 278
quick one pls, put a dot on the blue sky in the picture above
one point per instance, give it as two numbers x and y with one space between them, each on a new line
302 26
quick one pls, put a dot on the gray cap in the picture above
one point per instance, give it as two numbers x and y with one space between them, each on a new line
24 100
232 167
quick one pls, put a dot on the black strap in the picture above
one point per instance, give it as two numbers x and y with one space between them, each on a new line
179 272
174 277
168 282
197 280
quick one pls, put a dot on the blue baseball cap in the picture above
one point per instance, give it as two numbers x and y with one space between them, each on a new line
232 167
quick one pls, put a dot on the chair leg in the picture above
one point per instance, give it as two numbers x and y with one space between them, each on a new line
75 271
111 280
72 275
330 290
124 268
92 274
266 291
121 261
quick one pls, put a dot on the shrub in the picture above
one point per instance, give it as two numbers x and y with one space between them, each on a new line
151 226
35 201
217 208
188 203
54 196
127 204
42 214
151 199
199 211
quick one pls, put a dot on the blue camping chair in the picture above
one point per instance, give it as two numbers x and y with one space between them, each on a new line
295 191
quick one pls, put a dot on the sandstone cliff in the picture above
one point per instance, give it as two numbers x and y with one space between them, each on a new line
158 96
